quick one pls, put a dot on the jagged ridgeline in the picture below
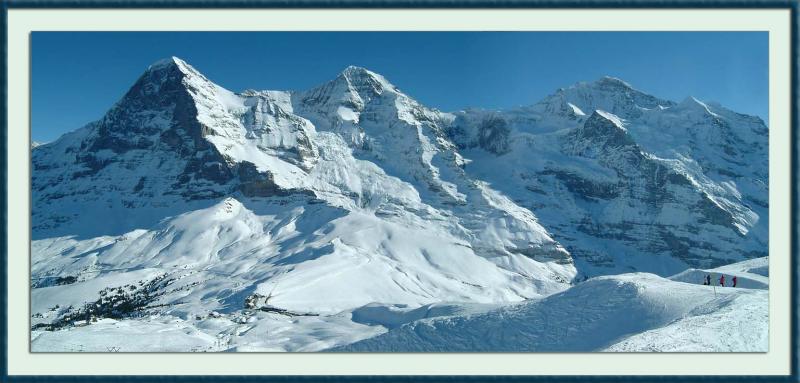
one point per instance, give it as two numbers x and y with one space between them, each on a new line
353 192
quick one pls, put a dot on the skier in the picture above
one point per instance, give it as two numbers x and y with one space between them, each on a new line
708 280
722 280
734 281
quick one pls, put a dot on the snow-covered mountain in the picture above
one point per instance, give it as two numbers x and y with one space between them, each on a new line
626 181
187 198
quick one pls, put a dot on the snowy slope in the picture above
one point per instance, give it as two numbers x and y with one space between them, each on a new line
354 206
740 326
636 312
626 312
314 258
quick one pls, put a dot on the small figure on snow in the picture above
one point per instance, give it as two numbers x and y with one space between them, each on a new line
708 280
734 281
722 280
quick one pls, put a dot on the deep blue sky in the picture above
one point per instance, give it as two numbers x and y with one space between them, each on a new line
76 77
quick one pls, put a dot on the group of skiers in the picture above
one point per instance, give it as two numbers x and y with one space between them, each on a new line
707 280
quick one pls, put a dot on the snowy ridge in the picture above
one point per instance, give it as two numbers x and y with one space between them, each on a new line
750 274
600 314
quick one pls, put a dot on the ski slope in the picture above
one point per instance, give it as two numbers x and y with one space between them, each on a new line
628 312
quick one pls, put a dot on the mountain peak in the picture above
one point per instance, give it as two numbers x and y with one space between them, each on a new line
612 82
167 76
604 84
352 88
172 64
361 78
165 62
354 70
607 93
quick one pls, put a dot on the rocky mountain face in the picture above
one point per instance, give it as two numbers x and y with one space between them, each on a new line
626 181
353 192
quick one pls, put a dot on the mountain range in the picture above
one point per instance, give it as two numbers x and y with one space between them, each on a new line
199 200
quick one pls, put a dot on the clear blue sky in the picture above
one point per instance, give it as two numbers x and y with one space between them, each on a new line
76 77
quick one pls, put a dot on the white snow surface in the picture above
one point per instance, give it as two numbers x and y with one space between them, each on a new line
627 312
636 312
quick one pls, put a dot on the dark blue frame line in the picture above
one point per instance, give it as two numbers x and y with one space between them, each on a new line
791 5
397 4
795 110
4 197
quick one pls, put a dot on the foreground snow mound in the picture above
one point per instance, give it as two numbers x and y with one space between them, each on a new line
604 313
750 274
740 326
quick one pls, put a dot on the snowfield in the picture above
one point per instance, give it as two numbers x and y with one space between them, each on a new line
626 312
635 312
350 217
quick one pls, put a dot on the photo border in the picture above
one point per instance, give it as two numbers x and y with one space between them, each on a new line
792 6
